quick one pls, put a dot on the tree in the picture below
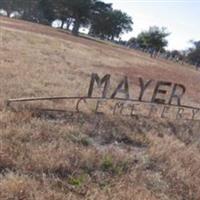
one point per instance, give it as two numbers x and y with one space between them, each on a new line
194 53
27 8
111 24
80 10
132 43
59 9
11 5
48 11
99 18
105 21
153 38
121 23
30 10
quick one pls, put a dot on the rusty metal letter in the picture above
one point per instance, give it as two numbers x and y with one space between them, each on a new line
153 109
194 113
118 105
176 96
105 80
143 87
98 105
160 91
179 114
123 88
133 109
165 111
78 103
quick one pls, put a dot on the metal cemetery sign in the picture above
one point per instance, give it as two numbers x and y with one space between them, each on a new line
164 100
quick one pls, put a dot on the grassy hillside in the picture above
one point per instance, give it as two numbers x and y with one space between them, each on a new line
59 156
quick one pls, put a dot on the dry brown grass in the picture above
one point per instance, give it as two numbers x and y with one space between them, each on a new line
55 156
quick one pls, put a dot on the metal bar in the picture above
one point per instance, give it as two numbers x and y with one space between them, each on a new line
41 99
93 98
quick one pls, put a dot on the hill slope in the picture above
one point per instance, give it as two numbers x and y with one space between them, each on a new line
53 155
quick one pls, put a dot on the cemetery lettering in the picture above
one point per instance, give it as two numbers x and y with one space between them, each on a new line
178 90
148 98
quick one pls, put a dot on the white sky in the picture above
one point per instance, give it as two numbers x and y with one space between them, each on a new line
180 17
